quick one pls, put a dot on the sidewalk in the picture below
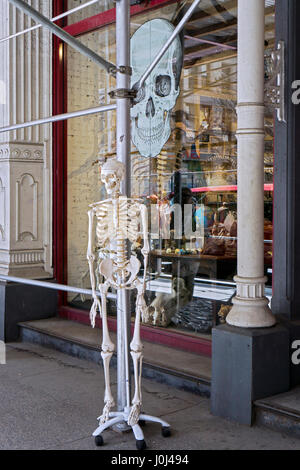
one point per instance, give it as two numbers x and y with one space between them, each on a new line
49 400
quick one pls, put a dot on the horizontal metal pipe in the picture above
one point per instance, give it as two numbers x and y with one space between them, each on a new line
205 280
175 33
64 36
55 18
59 117
213 43
52 285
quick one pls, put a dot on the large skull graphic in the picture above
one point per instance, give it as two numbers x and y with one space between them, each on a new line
150 114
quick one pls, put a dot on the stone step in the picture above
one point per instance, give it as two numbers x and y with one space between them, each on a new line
280 412
184 370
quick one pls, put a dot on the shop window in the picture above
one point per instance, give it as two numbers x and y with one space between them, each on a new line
190 280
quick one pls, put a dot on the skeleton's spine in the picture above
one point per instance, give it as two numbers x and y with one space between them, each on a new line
121 252
120 212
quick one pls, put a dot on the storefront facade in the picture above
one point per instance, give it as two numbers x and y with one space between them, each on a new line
189 281
52 174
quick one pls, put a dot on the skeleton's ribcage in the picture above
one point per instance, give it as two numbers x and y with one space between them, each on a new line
116 224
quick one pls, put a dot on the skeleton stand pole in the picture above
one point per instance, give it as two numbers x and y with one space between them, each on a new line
123 154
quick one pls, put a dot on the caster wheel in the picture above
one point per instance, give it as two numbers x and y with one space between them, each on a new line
142 422
99 441
166 431
141 445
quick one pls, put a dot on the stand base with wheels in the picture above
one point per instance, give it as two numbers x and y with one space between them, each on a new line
120 416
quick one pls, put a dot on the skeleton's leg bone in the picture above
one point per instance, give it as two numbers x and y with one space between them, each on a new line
108 397
137 399
136 348
108 348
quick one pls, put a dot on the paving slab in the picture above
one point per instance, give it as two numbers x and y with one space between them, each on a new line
54 405
20 365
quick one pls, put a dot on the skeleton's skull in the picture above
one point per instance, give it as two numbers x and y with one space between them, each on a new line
112 173
150 114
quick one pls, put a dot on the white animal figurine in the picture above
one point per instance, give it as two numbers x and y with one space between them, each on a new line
118 219
164 306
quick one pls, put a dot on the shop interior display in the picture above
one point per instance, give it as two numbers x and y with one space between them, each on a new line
188 280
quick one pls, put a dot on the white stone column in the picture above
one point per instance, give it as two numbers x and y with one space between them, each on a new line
25 154
250 306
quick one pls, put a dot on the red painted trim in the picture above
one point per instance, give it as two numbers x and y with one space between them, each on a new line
273 200
109 17
152 334
59 157
206 189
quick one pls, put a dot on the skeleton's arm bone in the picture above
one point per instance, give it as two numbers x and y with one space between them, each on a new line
146 248
90 253
144 217
91 258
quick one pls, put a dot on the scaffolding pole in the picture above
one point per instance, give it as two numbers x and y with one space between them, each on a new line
52 285
123 154
60 117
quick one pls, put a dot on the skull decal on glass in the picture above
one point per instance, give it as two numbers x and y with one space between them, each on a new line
151 111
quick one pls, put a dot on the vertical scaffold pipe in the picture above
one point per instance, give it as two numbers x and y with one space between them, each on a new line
123 154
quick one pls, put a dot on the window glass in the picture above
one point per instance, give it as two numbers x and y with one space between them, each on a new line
93 8
188 183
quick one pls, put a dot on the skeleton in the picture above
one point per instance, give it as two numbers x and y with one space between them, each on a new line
118 221
151 111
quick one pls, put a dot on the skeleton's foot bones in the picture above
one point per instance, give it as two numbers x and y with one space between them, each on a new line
106 412
134 415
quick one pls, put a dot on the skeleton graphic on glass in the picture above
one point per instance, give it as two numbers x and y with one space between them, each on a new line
118 219
151 111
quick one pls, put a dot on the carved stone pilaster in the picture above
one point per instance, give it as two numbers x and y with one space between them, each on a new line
23 225
25 154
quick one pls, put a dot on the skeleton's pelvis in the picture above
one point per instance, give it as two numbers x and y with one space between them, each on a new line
120 276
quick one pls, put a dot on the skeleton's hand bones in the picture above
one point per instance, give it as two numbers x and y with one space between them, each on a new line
93 312
90 257
145 251
141 301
